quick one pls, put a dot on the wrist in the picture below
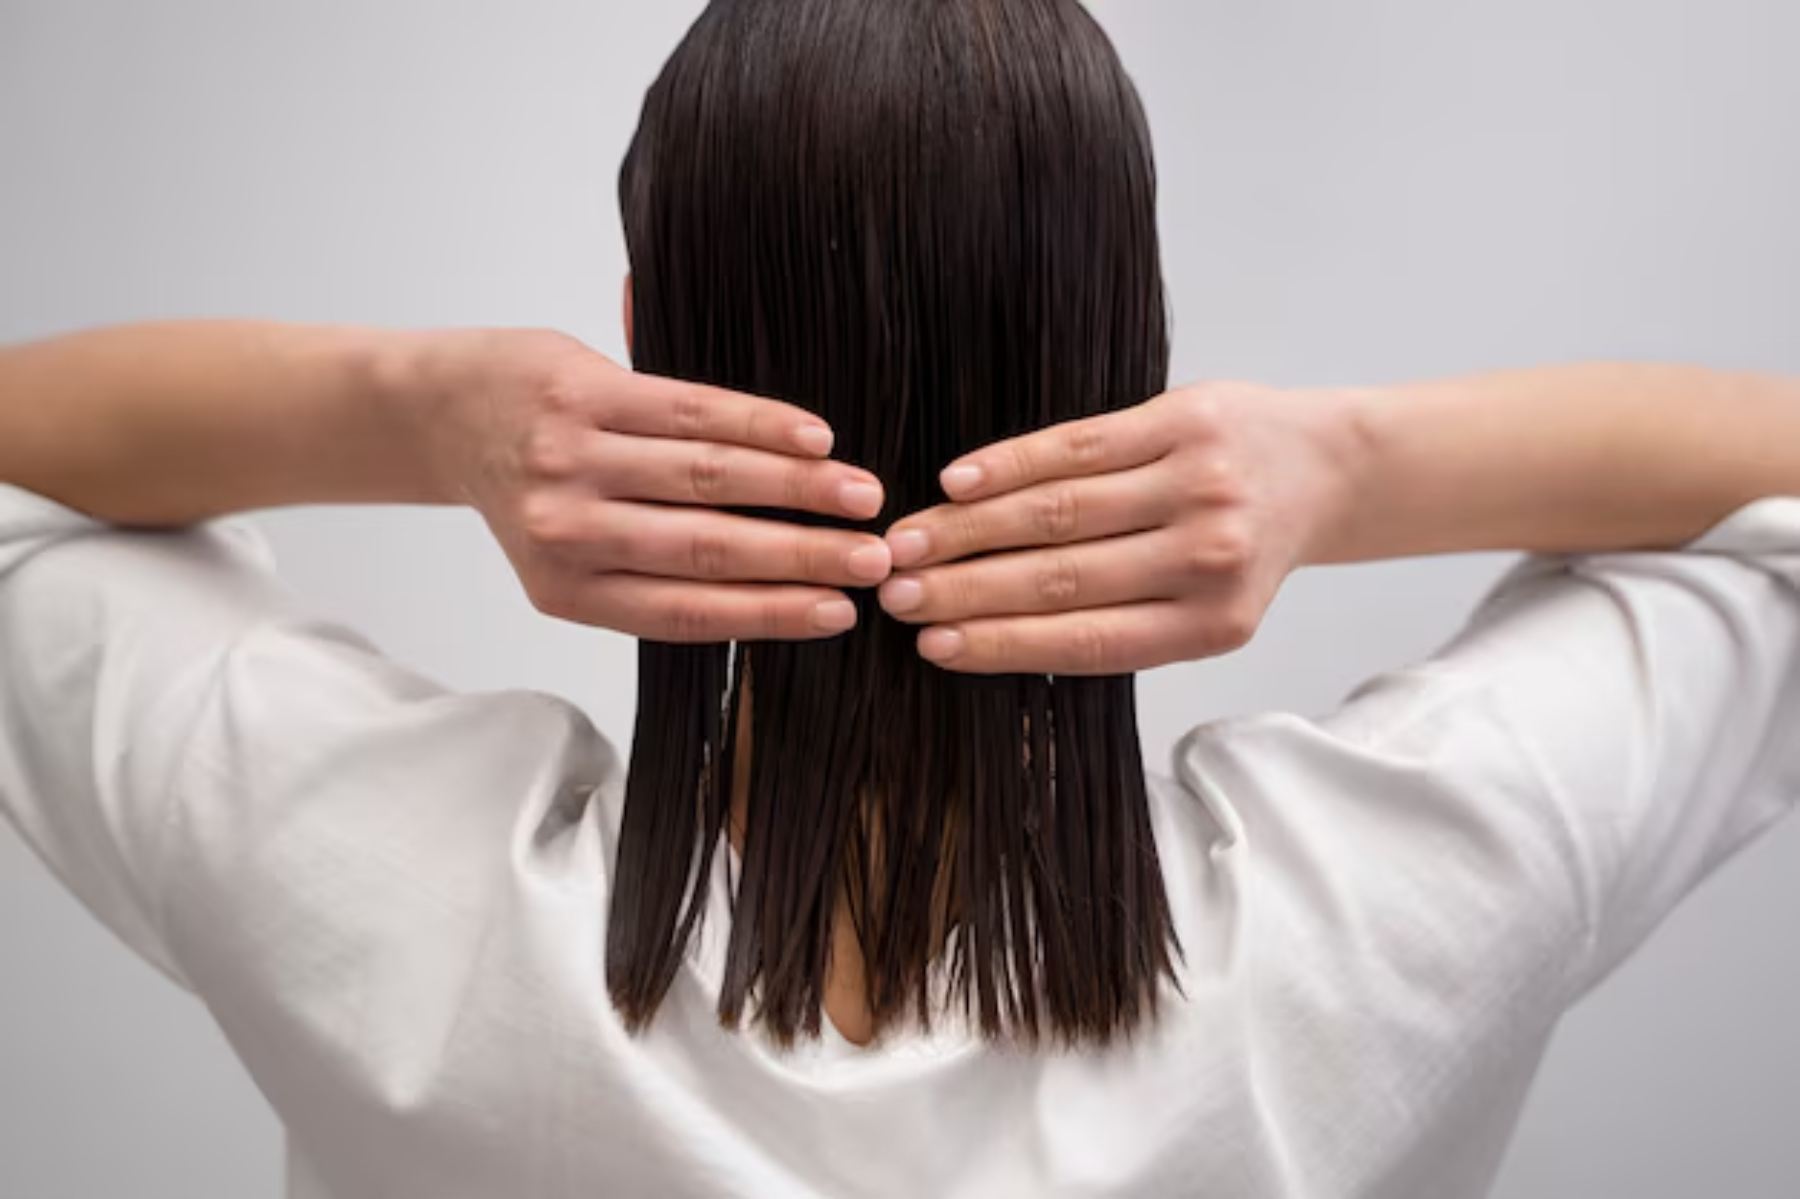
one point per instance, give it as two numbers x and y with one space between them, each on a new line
1341 430
413 382
1457 465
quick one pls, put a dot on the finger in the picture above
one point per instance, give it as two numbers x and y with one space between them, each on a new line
1105 641
1095 574
703 544
693 472
656 407
687 613
1045 514
1095 445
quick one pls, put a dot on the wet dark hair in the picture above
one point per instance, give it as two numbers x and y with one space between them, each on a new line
933 223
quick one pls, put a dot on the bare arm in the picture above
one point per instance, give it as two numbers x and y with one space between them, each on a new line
1162 533
165 424
1591 457
604 487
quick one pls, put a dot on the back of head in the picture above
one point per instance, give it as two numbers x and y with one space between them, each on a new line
933 223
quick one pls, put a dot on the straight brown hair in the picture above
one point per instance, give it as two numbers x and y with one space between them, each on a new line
933 223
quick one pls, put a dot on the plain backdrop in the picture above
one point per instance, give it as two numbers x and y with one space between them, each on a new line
1352 192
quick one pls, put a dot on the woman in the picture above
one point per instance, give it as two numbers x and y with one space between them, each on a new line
398 901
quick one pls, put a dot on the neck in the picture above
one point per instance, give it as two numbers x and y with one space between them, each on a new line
846 992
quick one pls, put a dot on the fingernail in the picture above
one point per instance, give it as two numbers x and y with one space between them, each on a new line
940 645
910 546
834 616
958 479
872 562
902 595
860 499
814 439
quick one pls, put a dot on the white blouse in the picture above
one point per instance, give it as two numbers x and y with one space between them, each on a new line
393 898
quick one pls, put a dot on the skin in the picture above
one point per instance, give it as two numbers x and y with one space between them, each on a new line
1162 533
846 1002
1153 535
601 485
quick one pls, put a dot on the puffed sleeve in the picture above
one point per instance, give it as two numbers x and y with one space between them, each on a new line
1654 700
108 641
1419 884
1518 813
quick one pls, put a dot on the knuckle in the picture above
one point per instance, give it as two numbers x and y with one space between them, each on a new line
708 476
709 553
1232 546
755 427
687 621
966 528
796 486
543 519
964 591
806 558
1195 564
1059 581
1216 480
562 395
996 648
1227 548
1202 412
1084 444
547 454
688 413
1056 514
771 620
1090 651
1021 460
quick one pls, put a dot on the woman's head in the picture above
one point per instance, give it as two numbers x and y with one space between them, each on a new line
933 223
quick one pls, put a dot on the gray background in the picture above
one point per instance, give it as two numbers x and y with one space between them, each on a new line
1352 193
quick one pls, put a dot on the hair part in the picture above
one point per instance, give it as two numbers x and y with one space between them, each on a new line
933 223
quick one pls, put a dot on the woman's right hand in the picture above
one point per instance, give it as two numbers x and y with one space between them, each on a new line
1148 536
604 488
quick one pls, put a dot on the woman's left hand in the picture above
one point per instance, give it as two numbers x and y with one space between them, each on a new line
1153 535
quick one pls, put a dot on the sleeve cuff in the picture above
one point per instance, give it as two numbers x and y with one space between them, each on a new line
30 522
1768 526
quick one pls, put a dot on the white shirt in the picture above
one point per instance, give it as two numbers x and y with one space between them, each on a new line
393 898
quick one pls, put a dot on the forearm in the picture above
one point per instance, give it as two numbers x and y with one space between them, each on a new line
165 424
1563 459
